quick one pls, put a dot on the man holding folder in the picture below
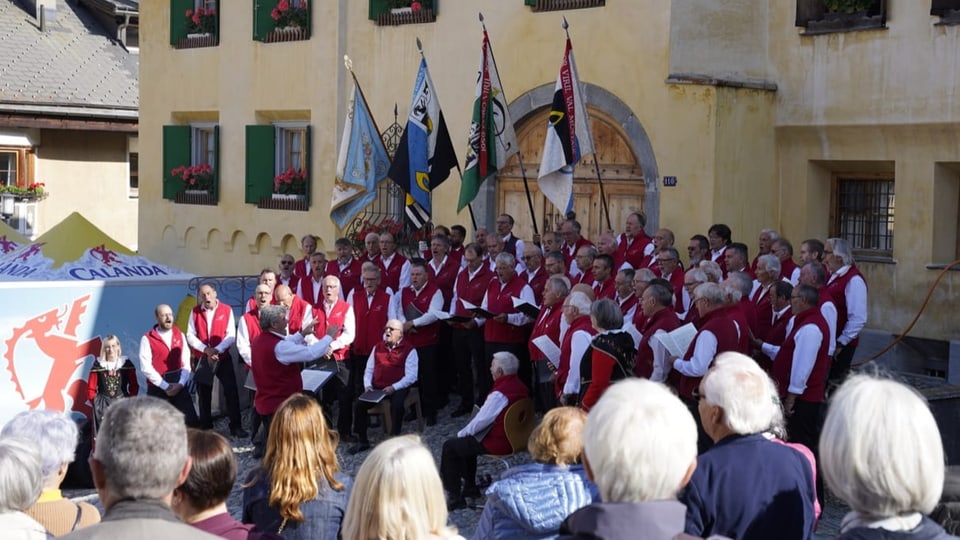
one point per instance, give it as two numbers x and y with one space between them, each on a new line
416 307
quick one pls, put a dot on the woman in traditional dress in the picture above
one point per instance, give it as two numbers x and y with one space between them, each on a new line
112 377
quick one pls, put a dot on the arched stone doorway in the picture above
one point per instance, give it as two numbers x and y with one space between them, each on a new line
627 165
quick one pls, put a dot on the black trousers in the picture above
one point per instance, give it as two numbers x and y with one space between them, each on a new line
428 376
468 354
181 401
228 379
396 414
804 427
840 366
458 462
338 389
446 368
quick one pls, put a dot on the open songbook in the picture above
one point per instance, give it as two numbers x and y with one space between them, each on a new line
411 312
549 349
526 308
450 317
678 341
313 379
477 310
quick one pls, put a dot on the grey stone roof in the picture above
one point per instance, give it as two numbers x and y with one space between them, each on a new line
75 64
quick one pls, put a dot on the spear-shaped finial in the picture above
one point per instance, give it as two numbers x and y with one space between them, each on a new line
566 26
419 46
483 24
395 113
348 63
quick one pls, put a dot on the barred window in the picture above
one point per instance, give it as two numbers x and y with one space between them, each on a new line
863 210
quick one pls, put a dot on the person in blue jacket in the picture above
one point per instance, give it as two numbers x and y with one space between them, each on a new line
530 501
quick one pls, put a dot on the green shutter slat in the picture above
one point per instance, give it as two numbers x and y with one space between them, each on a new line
260 144
178 19
529 2
309 17
263 23
307 150
376 8
436 8
216 164
176 152
218 22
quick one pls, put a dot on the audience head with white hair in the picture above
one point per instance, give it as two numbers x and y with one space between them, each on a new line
640 442
737 398
20 478
56 435
881 452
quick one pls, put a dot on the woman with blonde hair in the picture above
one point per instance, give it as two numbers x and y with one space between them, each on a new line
532 500
398 495
298 491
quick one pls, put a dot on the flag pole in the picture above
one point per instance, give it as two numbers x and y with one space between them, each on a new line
596 164
523 171
473 220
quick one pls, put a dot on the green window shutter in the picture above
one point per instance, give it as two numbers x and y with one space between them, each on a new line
309 17
263 23
529 2
376 8
218 22
436 8
176 153
261 144
307 163
178 19
216 164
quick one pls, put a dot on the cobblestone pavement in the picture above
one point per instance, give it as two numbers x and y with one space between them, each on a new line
465 520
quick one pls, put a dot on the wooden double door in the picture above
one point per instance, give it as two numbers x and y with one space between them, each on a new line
620 171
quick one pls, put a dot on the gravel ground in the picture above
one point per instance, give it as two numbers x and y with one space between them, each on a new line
465 520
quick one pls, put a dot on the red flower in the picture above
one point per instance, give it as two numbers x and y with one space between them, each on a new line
188 14
415 6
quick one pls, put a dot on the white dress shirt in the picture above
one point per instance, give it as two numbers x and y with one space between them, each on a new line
410 366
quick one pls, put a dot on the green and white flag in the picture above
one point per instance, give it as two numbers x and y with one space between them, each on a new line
492 139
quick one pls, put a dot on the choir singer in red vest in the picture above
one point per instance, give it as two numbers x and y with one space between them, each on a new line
508 330
165 362
485 434
392 368
210 333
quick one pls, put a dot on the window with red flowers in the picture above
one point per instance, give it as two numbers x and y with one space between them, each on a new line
277 21
194 23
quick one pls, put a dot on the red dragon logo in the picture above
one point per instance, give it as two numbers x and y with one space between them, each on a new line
31 251
55 335
107 256
7 245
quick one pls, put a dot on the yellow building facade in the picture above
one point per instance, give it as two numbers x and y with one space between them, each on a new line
759 120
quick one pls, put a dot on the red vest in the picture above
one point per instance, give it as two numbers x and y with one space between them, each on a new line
538 282
607 289
275 381
307 293
471 290
252 320
666 320
372 317
499 300
721 323
676 280
391 276
584 277
778 329
547 324
761 299
445 279
389 364
337 316
628 304
349 276
837 289
580 323
425 335
218 328
165 359
748 311
783 363
300 268
495 441
293 282
786 269
298 309
632 254
570 252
